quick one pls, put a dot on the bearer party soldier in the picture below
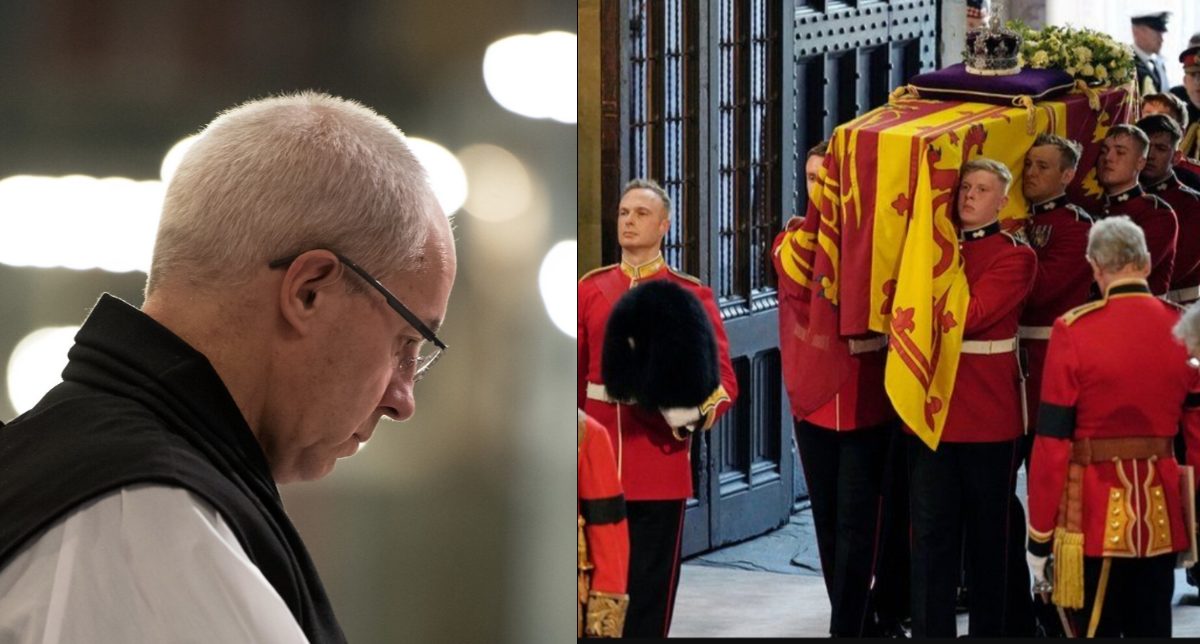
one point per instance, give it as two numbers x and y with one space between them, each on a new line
966 488
1159 178
1122 158
1057 230
652 446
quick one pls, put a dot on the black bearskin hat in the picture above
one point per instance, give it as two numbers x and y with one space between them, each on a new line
659 348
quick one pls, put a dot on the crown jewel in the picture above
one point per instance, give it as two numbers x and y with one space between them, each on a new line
993 49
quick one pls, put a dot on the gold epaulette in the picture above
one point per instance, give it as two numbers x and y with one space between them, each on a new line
1083 309
595 271
685 276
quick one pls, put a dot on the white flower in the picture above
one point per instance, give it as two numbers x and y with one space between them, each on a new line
1101 72
1083 54
1088 70
1040 60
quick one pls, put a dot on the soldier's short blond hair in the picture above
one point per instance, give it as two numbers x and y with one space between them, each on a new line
984 164
286 174
1117 242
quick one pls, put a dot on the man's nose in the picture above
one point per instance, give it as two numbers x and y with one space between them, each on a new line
398 403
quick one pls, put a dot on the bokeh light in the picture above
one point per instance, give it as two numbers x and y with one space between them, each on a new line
446 175
534 75
36 364
79 222
500 186
556 280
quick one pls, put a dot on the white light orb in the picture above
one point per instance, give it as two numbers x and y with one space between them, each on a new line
174 156
534 75
446 175
556 281
36 364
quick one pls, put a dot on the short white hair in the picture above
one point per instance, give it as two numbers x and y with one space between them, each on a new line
282 175
1115 242
1187 329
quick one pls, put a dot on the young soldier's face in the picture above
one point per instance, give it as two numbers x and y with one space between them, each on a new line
1120 161
1191 83
1043 176
980 198
812 171
1158 158
641 220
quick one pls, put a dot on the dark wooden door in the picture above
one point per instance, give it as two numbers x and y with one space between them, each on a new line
718 100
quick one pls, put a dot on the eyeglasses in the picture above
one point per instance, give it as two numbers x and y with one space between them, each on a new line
428 354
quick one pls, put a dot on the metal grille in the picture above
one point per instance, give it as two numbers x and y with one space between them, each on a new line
663 124
747 147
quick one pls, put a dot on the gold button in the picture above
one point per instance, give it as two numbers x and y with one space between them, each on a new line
1116 524
1161 521
1116 494
1159 507
1116 512
1115 538
1157 492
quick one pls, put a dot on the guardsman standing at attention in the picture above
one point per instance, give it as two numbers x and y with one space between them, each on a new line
1159 179
652 447
967 486
1057 230
1122 157
603 543
1106 494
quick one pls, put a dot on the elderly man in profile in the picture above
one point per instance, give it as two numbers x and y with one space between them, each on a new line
301 269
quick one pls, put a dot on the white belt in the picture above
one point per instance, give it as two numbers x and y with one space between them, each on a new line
1034 332
596 391
866 346
989 347
1183 295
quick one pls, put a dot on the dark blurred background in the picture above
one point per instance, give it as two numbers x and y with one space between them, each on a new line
446 528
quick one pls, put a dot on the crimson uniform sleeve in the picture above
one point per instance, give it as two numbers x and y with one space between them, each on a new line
1161 231
1060 270
1002 288
722 399
1191 420
1052 444
602 505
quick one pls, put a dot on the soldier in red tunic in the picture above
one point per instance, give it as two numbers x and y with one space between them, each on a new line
603 536
1159 178
1106 495
1057 230
1122 157
845 448
966 487
653 447
1187 170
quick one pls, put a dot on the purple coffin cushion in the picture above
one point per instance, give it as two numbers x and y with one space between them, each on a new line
954 83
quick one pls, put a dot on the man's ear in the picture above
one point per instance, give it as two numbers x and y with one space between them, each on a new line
1068 175
305 286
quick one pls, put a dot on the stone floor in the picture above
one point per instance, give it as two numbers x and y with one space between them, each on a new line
771 586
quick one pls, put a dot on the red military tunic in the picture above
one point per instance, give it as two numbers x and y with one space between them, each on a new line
986 403
604 535
1114 370
654 465
862 400
1185 276
1057 230
1160 226
602 506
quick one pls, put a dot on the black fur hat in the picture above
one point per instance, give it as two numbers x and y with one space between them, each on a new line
659 348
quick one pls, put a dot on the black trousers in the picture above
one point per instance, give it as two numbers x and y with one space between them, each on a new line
655 532
845 472
960 501
1137 597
